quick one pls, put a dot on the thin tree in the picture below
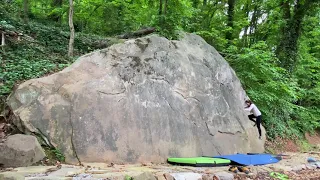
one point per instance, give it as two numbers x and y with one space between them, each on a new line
160 7
71 41
165 7
3 42
231 5
25 11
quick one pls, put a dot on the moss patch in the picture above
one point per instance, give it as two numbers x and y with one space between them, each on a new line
53 155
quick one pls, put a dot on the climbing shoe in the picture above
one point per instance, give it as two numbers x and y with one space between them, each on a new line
233 169
244 169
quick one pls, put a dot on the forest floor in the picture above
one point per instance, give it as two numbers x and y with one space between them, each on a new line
294 166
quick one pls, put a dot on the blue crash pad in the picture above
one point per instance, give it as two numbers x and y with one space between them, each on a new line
252 159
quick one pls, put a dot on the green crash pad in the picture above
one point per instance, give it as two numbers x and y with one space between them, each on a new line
200 161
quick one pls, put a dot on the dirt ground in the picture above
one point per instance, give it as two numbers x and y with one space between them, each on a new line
293 166
280 145
313 139
297 158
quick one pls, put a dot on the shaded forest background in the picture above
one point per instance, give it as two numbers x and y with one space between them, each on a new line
273 45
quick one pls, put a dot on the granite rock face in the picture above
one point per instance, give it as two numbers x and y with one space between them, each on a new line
142 100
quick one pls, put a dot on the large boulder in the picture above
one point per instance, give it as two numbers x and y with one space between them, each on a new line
142 100
20 150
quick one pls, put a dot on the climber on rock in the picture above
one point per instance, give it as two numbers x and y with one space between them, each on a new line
255 114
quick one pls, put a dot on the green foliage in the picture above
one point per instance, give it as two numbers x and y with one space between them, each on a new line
113 17
214 38
177 18
17 68
41 51
279 176
58 155
54 154
265 83
7 10
272 91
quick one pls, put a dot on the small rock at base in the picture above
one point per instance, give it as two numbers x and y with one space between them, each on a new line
20 150
11 176
168 176
215 177
186 176
224 176
311 166
299 167
145 176
160 176
82 177
207 177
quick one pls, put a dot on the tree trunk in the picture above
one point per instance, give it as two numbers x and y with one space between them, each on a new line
253 24
195 3
25 11
245 36
285 6
213 10
288 46
231 4
3 42
160 7
165 7
71 41
204 2
57 3
55 16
